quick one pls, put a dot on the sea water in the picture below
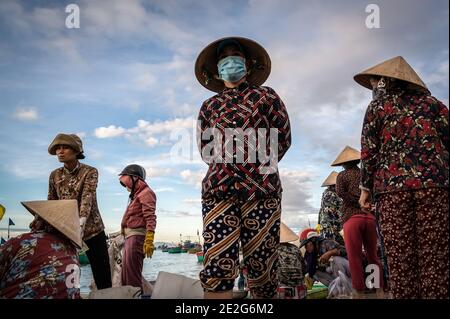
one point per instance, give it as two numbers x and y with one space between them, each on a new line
183 264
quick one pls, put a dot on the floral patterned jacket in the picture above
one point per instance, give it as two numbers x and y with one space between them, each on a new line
330 214
405 143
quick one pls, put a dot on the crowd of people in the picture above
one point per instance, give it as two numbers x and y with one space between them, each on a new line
391 211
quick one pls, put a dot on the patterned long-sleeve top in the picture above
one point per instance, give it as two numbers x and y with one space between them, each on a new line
405 143
79 184
347 188
326 245
330 213
244 109
291 265
39 265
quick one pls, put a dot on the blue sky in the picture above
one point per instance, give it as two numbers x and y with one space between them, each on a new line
124 81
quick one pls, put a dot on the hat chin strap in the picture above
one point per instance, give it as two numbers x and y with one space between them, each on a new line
252 67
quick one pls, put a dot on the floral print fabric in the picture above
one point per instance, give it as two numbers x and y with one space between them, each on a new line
39 265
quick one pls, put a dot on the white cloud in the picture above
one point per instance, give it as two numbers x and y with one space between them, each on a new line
195 202
297 189
193 177
26 169
150 134
297 196
177 213
81 134
153 171
145 80
111 170
299 220
149 166
164 189
151 141
26 114
192 201
159 127
108 132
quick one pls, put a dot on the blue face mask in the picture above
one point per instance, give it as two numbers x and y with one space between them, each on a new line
232 68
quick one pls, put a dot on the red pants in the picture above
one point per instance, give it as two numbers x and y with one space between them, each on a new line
133 261
361 230
415 229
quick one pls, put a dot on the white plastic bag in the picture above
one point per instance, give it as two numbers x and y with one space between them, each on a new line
174 286
340 287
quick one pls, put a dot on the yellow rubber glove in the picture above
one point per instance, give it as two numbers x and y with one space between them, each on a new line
148 244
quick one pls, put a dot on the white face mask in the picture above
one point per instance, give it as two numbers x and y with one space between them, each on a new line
232 68
380 90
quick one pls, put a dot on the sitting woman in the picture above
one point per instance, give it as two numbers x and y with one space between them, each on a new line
43 263
324 258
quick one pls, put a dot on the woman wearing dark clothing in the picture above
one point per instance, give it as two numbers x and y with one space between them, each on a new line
359 225
75 180
241 192
404 154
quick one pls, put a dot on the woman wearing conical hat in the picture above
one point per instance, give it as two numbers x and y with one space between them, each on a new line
291 266
359 225
241 192
405 153
44 262
329 214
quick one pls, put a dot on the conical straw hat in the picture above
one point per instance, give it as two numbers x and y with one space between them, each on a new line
349 154
286 234
396 68
331 179
61 214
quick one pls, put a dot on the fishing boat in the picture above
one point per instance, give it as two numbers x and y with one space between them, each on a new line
195 249
83 259
175 250
200 256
